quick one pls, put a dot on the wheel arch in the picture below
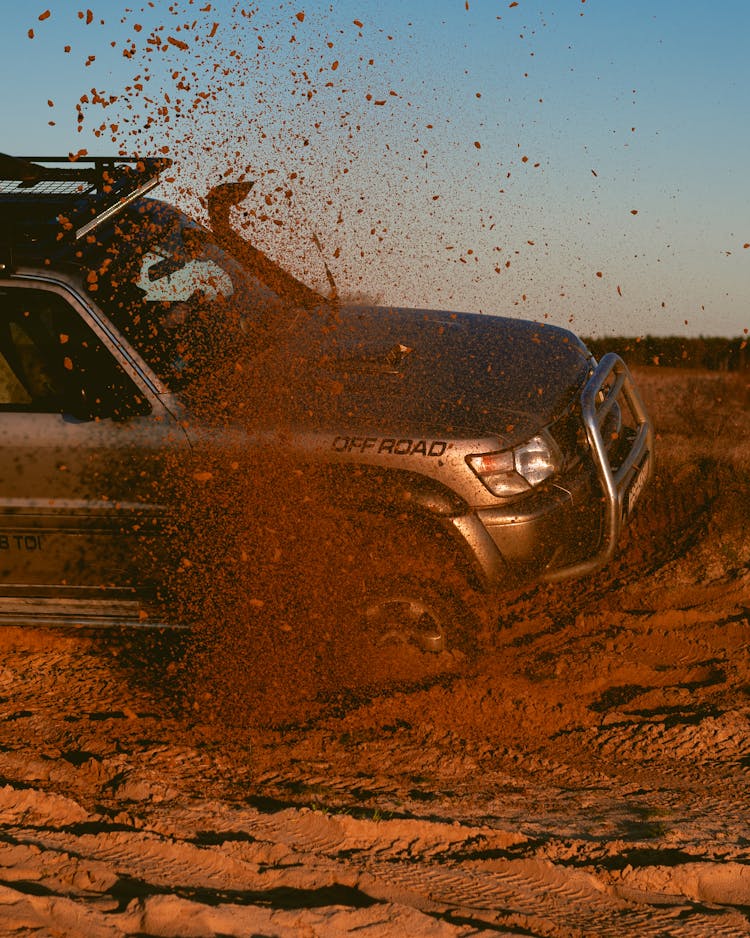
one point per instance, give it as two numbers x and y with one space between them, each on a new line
427 506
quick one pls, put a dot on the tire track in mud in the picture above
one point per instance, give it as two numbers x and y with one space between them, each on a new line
115 876
300 858
236 866
547 899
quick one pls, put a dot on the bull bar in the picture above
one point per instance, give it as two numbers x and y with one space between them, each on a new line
611 384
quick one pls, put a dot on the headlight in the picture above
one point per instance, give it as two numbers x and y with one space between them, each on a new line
517 470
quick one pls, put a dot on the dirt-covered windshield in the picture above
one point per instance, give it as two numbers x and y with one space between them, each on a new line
180 298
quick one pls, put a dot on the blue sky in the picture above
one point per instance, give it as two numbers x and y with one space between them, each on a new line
579 162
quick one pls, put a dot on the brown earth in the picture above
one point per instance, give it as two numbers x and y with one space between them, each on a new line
586 774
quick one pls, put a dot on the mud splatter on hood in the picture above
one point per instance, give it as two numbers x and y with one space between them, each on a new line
437 371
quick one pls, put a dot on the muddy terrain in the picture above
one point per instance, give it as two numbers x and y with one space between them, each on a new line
585 774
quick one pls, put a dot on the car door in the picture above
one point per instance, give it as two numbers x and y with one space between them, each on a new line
88 447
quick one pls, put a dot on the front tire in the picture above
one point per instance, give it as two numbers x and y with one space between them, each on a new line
410 610
409 589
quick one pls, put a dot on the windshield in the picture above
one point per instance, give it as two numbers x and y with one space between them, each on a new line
184 303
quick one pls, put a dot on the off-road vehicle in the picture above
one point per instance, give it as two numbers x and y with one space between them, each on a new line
499 446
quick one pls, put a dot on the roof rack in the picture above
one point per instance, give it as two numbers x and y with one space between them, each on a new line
87 190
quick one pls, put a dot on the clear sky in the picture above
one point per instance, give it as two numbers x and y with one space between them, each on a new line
580 162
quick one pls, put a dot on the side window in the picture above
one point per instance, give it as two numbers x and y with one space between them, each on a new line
11 390
51 362
201 276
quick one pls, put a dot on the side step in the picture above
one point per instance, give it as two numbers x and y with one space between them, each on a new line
81 613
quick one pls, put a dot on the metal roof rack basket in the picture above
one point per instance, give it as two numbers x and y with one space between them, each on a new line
87 191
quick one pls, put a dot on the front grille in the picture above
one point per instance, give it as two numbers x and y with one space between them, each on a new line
570 435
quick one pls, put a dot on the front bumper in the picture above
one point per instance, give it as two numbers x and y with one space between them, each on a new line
571 528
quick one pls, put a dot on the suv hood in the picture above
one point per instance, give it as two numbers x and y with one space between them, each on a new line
438 373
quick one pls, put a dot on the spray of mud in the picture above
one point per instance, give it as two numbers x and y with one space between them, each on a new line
269 560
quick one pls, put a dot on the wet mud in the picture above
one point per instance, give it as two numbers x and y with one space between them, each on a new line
585 772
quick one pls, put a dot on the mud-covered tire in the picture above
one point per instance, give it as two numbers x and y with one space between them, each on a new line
408 588
411 610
